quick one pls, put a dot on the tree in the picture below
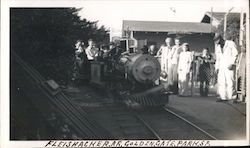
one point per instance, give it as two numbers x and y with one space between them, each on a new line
45 38
233 28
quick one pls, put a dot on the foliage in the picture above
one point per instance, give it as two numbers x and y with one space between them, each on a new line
233 28
46 37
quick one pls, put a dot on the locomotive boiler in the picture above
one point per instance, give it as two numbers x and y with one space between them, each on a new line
132 77
139 68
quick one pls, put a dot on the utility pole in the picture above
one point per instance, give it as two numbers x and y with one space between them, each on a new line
211 19
241 28
225 22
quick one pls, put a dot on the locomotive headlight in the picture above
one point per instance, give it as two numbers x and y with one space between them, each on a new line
147 70
144 68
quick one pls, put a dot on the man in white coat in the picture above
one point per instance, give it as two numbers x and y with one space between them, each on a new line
173 59
226 76
164 55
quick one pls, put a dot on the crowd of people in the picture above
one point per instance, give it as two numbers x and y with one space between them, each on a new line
180 67
84 54
176 65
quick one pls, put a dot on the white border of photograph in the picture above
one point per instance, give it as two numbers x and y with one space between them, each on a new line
5 57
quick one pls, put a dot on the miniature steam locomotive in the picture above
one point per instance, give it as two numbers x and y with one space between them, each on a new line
132 77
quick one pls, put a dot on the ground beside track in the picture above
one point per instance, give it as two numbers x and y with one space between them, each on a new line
228 118
225 121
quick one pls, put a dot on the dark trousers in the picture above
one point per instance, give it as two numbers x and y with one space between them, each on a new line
204 87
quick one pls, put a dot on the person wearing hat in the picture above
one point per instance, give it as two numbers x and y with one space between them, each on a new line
184 69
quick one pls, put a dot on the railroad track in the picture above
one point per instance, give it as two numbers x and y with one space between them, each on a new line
130 125
155 123
158 124
191 123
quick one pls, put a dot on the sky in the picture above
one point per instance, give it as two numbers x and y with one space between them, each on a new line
110 13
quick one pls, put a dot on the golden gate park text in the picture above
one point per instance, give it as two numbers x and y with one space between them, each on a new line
127 143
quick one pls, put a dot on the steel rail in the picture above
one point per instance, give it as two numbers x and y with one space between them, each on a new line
190 123
148 127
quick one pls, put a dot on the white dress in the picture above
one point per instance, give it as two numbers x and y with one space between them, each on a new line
184 66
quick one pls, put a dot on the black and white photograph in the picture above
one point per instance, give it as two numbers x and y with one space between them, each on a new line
125 73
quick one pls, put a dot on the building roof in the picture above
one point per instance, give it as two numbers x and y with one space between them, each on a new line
218 16
158 26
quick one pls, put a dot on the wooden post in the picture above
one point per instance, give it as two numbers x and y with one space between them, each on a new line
211 19
225 26
241 28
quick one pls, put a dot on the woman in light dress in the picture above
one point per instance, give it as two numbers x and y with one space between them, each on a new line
184 69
